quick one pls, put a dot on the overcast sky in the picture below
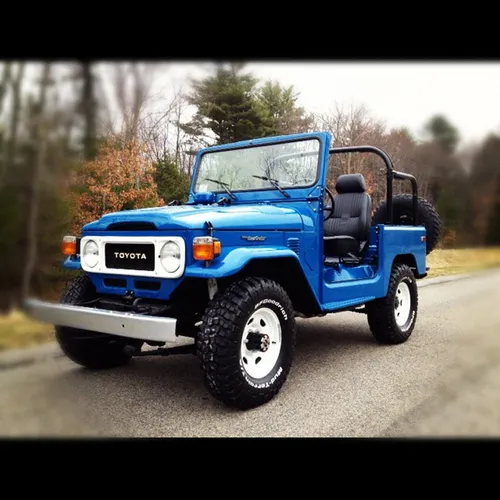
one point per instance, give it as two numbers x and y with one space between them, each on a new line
400 94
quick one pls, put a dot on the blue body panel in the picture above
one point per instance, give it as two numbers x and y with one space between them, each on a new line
190 217
285 228
353 285
164 292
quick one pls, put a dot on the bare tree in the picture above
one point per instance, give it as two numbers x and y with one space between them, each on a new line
124 92
466 154
350 126
141 84
353 126
40 143
89 110
4 82
12 138
159 129
178 116
105 117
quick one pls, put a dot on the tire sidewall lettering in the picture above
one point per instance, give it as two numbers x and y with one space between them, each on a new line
264 385
273 302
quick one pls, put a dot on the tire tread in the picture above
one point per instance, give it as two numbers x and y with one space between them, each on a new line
95 353
429 216
380 312
220 334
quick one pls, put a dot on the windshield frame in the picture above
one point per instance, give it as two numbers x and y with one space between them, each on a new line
259 144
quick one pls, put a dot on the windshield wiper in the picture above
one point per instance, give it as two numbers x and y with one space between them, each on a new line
274 182
224 185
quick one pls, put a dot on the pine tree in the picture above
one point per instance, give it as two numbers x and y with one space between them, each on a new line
172 184
443 133
226 106
447 177
279 106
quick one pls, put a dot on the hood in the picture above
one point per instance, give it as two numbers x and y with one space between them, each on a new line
236 217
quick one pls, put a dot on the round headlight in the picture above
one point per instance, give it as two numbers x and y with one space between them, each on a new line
90 254
170 257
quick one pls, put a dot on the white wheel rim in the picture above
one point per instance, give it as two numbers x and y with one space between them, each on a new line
402 304
263 329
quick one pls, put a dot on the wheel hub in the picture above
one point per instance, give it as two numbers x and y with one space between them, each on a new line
260 343
402 304
257 341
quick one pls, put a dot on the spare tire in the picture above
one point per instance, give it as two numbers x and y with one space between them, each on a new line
402 208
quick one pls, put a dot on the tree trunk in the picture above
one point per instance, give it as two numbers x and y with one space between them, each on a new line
40 151
12 139
4 82
89 111
178 135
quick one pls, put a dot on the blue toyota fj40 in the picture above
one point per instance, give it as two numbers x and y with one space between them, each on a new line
260 241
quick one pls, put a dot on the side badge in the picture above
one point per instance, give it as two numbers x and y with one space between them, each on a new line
253 238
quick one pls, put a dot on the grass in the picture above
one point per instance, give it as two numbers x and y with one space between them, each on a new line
18 331
448 262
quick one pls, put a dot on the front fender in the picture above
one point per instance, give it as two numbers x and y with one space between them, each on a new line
236 260
224 266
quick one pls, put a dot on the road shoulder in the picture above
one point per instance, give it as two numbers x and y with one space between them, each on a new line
13 358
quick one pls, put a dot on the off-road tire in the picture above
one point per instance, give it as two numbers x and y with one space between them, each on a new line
382 315
402 207
218 344
101 350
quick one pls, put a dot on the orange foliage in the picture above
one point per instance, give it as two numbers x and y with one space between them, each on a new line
120 178
370 182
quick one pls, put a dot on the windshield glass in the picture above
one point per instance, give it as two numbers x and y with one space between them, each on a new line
292 164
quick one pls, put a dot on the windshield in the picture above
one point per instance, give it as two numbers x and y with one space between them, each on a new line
292 164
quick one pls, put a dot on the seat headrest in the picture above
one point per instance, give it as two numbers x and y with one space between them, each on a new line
350 183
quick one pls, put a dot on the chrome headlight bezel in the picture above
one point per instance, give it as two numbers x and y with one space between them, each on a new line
90 253
172 251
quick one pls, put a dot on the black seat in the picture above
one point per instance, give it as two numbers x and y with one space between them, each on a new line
347 231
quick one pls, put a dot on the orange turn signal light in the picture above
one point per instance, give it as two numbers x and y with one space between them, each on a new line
206 248
69 245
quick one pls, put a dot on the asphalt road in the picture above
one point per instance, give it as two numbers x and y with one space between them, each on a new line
445 381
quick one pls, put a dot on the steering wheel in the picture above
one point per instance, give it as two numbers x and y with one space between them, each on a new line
329 208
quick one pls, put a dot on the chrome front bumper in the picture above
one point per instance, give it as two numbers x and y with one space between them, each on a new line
134 326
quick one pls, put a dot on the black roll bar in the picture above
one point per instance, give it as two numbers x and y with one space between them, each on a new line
391 175
403 176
